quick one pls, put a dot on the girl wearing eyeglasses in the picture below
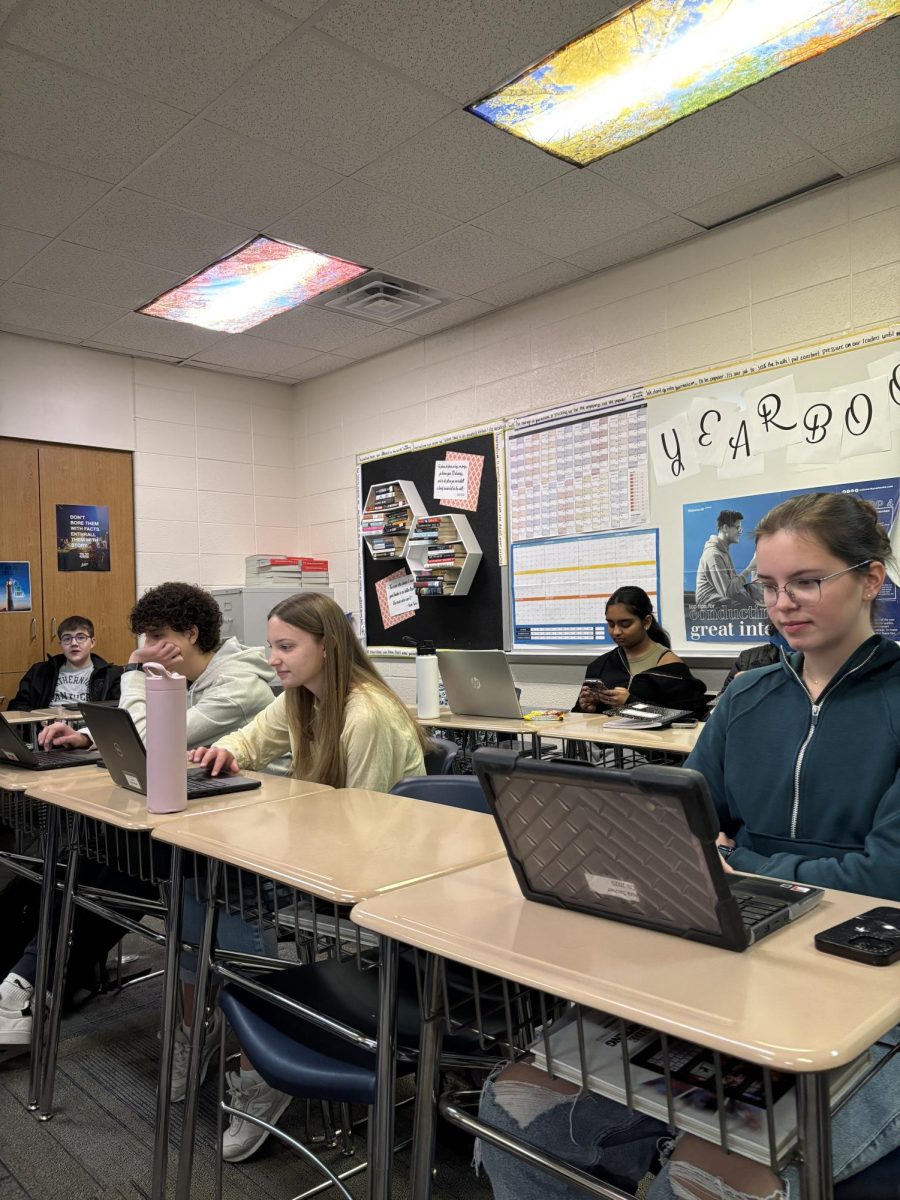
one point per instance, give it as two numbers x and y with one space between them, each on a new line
802 759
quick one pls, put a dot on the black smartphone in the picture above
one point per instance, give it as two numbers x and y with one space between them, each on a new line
872 937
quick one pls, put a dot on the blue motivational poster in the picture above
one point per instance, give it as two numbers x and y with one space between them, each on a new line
82 537
722 601
15 587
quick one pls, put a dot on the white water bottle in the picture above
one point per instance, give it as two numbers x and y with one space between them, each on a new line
428 705
166 739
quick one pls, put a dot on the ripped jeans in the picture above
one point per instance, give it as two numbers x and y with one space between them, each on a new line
603 1137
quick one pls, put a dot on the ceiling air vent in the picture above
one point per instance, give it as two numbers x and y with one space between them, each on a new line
381 298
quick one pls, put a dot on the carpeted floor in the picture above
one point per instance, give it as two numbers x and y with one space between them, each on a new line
98 1144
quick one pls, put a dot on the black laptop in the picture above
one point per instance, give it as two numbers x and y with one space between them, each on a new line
635 846
125 757
14 750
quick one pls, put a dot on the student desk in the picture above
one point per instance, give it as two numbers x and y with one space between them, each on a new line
764 1005
342 847
113 826
578 727
33 715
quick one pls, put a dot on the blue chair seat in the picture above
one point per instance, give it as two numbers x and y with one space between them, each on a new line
881 1181
458 791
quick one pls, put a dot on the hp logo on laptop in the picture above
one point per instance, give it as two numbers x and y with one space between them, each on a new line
475 681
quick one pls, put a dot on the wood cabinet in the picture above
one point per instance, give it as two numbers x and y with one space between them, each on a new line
34 478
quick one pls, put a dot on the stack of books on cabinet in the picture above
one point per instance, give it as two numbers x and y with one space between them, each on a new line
286 571
387 517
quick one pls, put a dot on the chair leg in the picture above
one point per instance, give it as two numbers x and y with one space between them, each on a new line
347 1148
220 1111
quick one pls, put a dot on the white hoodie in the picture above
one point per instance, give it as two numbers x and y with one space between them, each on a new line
234 687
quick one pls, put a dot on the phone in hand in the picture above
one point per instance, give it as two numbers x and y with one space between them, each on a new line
873 937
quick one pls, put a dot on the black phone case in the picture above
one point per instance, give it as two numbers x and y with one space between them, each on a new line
873 937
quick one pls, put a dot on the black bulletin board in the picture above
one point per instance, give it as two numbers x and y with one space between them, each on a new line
473 621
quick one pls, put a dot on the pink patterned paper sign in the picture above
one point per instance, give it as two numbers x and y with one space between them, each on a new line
381 590
476 467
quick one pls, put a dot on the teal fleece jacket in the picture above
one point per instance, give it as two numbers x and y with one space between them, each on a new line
811 791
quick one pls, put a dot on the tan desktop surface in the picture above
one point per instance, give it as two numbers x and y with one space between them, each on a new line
91 792
21 779
343 845
781 1003
42 714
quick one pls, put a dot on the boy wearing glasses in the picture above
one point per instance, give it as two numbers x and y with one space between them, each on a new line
68 678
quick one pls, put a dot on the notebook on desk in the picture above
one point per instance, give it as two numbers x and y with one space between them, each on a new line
634 846
479 683
14 750
125 757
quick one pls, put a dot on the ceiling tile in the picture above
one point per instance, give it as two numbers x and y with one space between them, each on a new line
360 223
42 198
703 155
30 308
840 96
466 48
313 328
570 213
253 354
150 231
443 318
215 171
465 260
861 153
154 335
760 192
462 167
320 100
320 365
16 247
80 271
203 47
81 124
633 245
378 343
542 279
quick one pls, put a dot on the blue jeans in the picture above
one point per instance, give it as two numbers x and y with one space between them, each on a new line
596 1134
233 932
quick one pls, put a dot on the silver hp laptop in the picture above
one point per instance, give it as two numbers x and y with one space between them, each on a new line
478 683
635 846
13 750
125 757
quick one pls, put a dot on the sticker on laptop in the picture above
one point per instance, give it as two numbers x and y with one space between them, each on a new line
133 780
615 889
9 754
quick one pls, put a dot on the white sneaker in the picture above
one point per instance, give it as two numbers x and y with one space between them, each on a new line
243 1138
181 1053
15 1011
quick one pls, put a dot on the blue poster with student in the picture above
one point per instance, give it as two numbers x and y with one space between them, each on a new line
722 601
82 537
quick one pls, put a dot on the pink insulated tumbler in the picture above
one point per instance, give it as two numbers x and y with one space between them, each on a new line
166 740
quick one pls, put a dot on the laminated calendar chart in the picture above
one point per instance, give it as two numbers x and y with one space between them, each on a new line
560 585
581 469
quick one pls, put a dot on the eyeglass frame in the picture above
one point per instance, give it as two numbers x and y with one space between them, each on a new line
67 639
786 587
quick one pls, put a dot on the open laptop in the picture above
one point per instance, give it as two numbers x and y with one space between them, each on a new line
635 846
125 757
478 683
14 750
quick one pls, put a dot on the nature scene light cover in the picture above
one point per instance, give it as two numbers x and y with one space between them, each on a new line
258 282
659 61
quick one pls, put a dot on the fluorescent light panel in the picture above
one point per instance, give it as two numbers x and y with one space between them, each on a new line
659 61
257 282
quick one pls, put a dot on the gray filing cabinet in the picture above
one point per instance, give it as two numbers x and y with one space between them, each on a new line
245 609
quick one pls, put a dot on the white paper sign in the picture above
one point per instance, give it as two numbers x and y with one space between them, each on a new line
772 414
742 455
401 596
865 426
708 419
451 479
672 450
889 366
821 425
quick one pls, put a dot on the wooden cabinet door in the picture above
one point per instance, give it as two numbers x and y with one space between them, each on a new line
77 475
21 630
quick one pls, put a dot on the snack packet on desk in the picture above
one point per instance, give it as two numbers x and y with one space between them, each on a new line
544 714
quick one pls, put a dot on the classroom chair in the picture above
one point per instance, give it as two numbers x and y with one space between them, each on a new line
440 758
459 791
881 1181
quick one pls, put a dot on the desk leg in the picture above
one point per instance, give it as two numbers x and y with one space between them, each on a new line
382 1141
814 1136
170 1001
198 1029
535 745
63 944
45 930
427 1081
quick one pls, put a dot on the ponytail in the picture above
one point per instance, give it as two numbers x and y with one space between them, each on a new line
639 604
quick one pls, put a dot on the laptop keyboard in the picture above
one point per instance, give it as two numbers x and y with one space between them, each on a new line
57 758
198 784
755 909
